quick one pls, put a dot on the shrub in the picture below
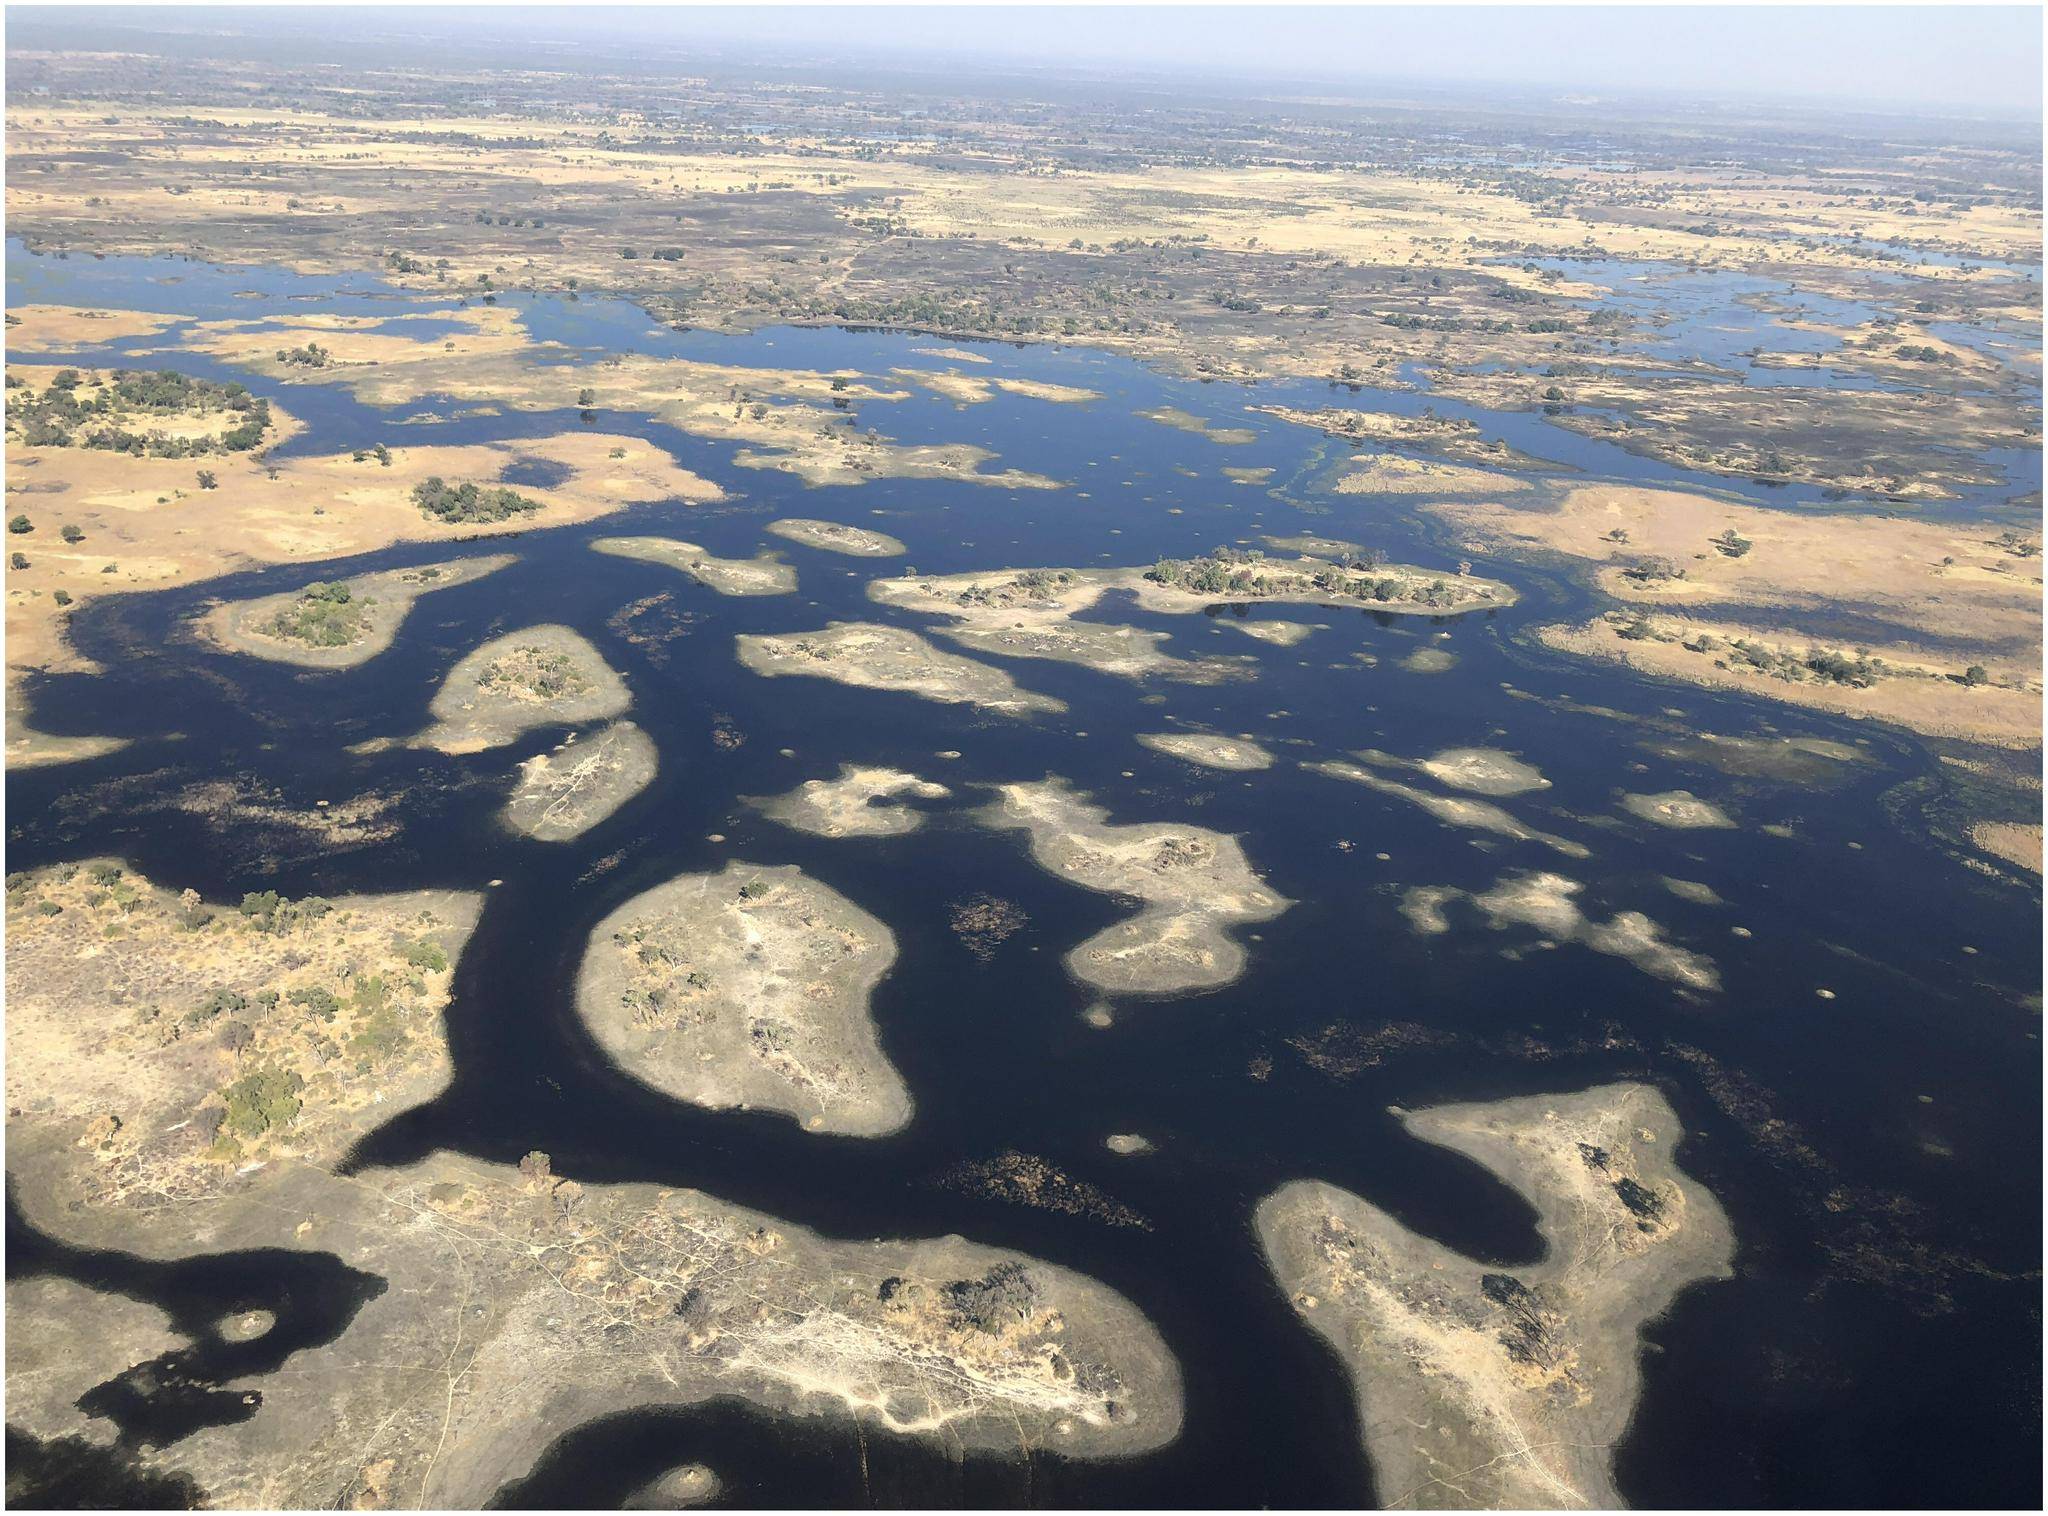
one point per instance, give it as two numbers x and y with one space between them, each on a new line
428 956
221 1002
465 503
316 999
262 1101
324 615
21 525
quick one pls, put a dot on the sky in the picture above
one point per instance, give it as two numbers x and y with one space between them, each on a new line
1984 57
1975 59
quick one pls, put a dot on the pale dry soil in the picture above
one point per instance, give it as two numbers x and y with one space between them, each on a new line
1194 888
254 627
1235 754
38 329
1455 441
1451 810
797 421
1503 1389
1278 633
1479 770
1678 809
72 1340
1188 421
748 988
973 389
1959 584
1033 613
832 537
763 575
518 1308
542 676
134 1012
873 657
148 521
2013 841
861 801
1921 690
517 1304
1394 474
563 793
680 1489
1546 903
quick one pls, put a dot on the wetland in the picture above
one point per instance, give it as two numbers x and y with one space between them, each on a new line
660 898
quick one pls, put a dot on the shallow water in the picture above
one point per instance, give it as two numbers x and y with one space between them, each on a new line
1801 1381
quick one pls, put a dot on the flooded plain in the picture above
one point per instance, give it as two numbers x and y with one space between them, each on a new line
1851 1053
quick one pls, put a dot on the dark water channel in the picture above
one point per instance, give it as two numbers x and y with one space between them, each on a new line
1811 1378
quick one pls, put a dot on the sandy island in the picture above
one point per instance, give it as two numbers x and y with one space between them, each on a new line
1472 815
871 657
974 389
831 537
1188 421
763 575
1680 809
1505 1388
1237 754
1031 613
1546 903
564 793
748 988
1478 770
1704 576
847 806
318 628
542 676
141 1121
151 519
1194 886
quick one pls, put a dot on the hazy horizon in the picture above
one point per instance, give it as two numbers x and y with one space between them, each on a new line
1983 60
